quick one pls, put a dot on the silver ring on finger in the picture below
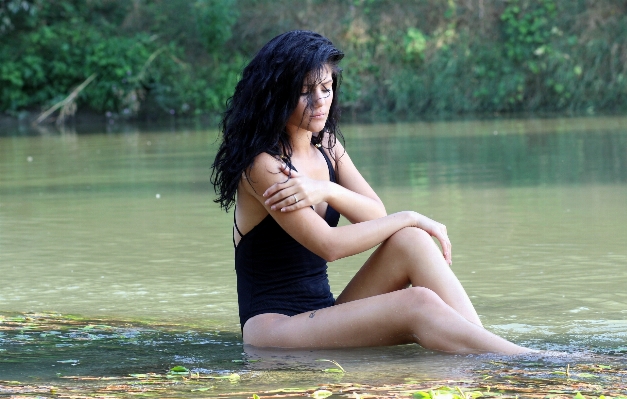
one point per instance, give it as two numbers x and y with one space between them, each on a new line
295 199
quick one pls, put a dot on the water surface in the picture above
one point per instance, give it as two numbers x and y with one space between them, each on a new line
121 225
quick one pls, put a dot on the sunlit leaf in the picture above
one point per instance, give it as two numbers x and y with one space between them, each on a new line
333 370
179 369
321 394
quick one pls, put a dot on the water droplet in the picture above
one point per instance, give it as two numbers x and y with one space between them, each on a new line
158 196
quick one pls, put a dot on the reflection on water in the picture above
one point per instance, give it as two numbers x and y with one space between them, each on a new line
122 225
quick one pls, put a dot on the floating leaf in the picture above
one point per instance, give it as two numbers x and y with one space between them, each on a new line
421 395
321 394
333 370
178 370
579 396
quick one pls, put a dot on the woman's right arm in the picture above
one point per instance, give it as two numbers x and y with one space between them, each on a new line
332 243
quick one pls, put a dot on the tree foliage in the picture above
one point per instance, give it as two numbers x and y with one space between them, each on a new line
403 58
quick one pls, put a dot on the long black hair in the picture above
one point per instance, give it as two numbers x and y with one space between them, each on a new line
266 96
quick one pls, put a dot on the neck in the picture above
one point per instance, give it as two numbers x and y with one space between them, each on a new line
300 141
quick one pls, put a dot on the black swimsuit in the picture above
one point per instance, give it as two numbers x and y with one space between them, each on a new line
276 274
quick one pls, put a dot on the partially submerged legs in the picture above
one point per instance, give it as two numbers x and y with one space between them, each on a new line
377 309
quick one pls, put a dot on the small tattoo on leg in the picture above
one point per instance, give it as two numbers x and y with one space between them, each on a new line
312 314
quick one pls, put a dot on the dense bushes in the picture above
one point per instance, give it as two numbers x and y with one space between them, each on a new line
403 58
140 55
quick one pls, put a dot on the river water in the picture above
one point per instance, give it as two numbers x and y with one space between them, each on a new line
120 225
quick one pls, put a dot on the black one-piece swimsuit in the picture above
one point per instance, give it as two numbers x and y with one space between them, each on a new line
276 274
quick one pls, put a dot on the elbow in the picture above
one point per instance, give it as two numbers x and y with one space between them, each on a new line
330 257
330 253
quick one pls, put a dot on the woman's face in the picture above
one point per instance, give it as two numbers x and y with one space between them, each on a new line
312 110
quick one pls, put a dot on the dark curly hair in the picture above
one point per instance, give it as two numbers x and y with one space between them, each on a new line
266 96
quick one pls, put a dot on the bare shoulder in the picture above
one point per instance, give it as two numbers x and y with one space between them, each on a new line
264 172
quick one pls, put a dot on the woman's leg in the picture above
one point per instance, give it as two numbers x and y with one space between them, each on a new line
414 314
409 257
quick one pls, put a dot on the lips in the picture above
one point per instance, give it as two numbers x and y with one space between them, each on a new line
318 116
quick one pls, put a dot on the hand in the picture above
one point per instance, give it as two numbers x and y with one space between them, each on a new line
296 192
437 230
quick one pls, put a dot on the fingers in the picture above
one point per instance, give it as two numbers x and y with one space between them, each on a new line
287 171
288 195
439 232
276 187
288 208
287 202
445 242
284 196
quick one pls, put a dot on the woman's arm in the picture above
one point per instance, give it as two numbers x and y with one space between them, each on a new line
332 243
352 196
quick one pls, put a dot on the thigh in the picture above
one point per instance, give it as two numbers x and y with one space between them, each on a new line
411 315
336 326
409 257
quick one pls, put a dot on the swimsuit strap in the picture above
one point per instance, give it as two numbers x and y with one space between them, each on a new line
236 228
332 176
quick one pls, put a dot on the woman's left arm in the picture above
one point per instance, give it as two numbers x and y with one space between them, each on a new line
352 197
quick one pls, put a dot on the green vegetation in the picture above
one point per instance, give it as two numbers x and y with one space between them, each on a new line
403 58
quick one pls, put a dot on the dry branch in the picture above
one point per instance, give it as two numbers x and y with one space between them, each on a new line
68 104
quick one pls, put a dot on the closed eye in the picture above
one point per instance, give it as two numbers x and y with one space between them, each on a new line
325 88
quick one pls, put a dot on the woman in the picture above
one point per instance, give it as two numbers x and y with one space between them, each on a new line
281 165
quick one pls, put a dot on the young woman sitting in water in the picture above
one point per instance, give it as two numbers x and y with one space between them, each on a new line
290 179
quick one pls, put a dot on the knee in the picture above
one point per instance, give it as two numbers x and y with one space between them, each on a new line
421 298
410 238
422 308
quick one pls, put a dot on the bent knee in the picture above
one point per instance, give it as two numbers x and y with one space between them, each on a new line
410 237
421 297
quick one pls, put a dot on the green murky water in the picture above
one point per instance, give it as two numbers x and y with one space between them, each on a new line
121 226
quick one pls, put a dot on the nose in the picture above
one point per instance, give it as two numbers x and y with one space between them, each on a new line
321 98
